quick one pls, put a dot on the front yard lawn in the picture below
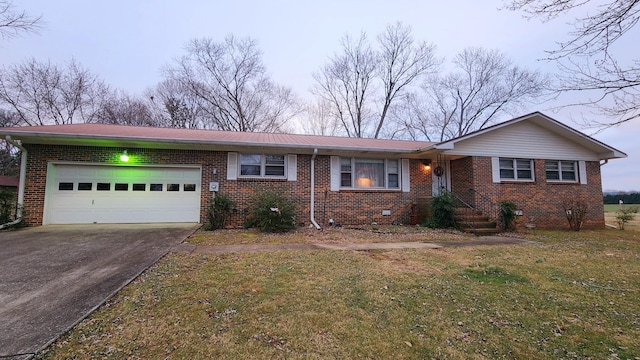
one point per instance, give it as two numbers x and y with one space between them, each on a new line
332 235
571 295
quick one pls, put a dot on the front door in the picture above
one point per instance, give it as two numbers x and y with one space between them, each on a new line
440 175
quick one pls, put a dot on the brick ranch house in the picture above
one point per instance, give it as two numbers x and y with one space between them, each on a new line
78 174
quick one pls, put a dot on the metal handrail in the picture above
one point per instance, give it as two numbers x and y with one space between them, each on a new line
495 208
473 218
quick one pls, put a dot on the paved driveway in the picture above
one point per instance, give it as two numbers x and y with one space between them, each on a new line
51 277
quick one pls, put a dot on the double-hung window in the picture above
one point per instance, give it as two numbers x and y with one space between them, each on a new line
260 165
359 173
516 169
559 170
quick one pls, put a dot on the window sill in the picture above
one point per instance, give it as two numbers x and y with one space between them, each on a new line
276 179
511 181
560 182
352 190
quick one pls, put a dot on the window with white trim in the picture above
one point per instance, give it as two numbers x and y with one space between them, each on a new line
358 173
561 170
516 169
262 165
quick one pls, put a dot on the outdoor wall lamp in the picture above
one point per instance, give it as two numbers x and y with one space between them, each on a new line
427 164
124 157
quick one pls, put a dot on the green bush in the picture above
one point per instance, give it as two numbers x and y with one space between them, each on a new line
270 211
7 205
219 208
624 215
442 207
508 215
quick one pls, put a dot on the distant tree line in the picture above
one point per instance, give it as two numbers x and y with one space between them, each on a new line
627 198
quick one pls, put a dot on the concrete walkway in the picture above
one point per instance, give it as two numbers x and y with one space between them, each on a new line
220 249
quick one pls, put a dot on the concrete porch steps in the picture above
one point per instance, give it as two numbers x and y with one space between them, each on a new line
474 222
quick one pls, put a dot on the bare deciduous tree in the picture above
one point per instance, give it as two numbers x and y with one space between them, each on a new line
8 118
120 108
9 163
588 60
232 86
42 93
13 22
483 86
363 83
319 120
174 106
401 62
345 83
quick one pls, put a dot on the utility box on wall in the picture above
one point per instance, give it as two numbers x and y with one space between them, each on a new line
214 186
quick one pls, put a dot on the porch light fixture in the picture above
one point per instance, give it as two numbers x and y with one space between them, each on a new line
124 157
427 164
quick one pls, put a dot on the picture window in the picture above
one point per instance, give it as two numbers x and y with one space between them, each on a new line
369 173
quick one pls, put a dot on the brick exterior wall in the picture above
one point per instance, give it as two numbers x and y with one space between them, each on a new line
345 207
541 202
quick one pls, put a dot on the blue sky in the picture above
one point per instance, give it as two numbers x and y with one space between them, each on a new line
127 43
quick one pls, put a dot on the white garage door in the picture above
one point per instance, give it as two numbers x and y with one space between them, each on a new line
84 194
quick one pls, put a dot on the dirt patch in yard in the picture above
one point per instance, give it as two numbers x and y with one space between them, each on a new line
341 235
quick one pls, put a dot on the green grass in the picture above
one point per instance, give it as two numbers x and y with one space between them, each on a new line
612 208
571 295
494 275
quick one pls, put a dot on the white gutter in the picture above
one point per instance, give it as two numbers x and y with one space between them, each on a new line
313 188
21 185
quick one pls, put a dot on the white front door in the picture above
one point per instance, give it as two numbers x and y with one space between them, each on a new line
81 194
440 179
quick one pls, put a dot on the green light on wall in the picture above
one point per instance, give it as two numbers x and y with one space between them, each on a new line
124 157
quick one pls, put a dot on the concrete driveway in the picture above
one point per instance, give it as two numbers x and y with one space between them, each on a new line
51 277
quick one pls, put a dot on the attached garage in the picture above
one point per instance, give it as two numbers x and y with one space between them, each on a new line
89 193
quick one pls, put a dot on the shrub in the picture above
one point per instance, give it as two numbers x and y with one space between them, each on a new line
270 211
442 208
219 208
576 211
7 205
508 215
624 215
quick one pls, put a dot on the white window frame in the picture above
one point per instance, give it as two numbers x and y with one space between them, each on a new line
263 166
353 179
515 169
559 163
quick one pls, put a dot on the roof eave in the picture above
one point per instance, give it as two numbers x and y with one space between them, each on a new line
127 141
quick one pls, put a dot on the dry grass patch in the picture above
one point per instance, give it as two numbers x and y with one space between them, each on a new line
610 217
342 235
572 295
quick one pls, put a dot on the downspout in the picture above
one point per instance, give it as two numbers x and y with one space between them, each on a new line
606 161
21 185
313 188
